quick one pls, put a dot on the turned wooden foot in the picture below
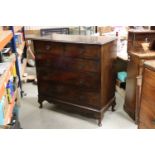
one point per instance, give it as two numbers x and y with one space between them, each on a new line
40 103
100 122
113 106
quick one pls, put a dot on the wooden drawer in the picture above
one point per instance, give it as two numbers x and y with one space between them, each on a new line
49 48
82 51
149 94
87 80
71 94
147 114
67 63
149 77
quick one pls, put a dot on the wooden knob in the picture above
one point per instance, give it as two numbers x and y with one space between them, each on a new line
81 50
48 47
81 97
81 82
81 66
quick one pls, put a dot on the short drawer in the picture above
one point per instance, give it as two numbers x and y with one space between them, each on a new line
82 51
48 48
71 94
67 63
88 80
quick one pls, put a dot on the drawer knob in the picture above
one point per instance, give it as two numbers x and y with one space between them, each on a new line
81 50
153 122
48 47
81 97
81 82
81 66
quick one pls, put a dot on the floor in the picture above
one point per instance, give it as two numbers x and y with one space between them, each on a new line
31 117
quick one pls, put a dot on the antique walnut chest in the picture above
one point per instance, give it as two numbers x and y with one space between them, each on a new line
76 72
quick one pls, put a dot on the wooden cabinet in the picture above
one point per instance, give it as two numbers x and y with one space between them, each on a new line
133 82
139 51
147 104
138 38
76 72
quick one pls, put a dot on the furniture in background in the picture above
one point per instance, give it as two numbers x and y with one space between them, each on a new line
139 50
147 104
76 72
138 38
9 98
121 66
133 86
49 31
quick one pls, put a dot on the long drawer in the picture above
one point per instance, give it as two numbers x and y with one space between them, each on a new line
87 80
68 50
67 63
70 94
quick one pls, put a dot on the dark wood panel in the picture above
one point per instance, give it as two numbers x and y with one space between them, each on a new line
131 84
108 76
88 80
49 48
67 63
71 94
82 51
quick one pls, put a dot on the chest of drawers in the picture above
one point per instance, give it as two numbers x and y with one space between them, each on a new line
76 76
147 104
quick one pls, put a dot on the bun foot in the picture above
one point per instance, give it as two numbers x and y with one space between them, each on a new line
41 106
40 103
113 107
100 123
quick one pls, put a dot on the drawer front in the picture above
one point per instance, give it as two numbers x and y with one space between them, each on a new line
147 110
67 63
149 77
82 51
88 80
48 48
71 94
147 114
